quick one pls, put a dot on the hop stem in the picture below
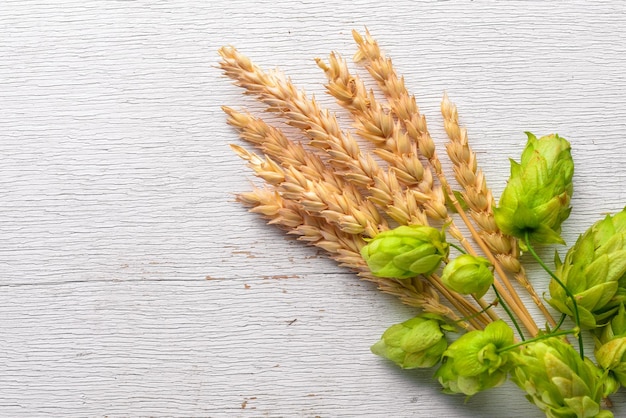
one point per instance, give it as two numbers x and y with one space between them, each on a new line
539 338
567 291
509 313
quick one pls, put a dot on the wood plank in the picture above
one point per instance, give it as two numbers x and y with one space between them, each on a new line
132 284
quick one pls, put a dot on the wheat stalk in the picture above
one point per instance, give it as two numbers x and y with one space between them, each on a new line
399 144
343 241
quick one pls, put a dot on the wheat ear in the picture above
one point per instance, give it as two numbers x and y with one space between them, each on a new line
342 241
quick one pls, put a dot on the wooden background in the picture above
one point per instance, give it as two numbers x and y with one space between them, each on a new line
132 283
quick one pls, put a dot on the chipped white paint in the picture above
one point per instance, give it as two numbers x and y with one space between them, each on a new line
131 284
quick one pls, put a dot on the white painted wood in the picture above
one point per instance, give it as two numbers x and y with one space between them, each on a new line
132 284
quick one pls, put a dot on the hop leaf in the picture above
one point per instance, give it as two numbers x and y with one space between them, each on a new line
558 381
468 274
537 196
594 271
406 251
416 343
473 363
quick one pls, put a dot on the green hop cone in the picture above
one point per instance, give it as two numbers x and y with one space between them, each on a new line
473 363
406 251
416 343
537 196
594 271
468 275
610 349
558 381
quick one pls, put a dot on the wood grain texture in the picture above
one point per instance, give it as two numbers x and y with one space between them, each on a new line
132 284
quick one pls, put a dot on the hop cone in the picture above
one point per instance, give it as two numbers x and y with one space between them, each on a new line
594 271
468 274
406 251
537 196
416 343
611 348
558 381
472 363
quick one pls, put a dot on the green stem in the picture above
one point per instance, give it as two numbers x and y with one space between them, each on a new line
539 338
456 247
472 316
561 320
567 292
508 312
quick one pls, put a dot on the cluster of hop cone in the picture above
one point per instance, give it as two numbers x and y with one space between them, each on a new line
383 207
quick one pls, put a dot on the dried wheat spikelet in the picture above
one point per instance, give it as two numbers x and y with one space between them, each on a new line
303 177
